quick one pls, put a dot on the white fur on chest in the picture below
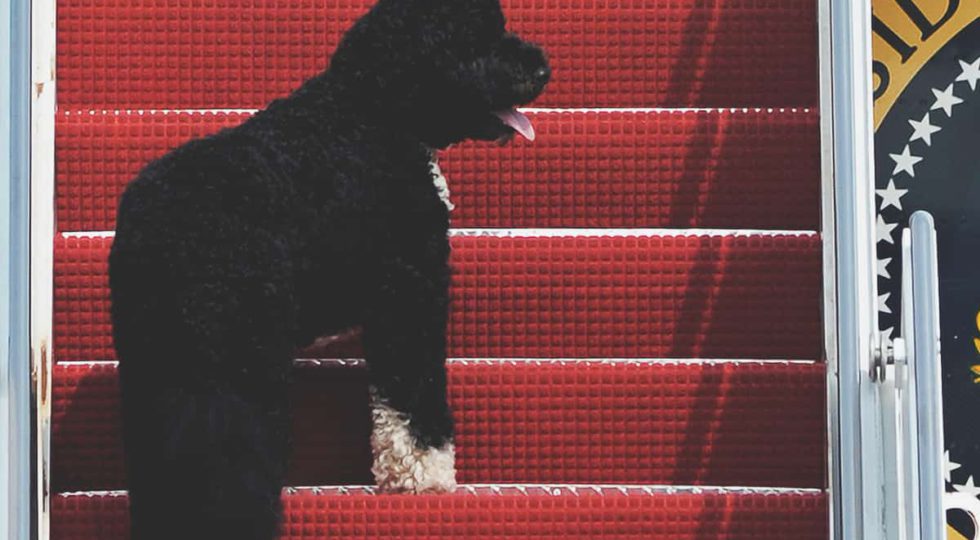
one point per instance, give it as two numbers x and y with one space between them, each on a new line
439 180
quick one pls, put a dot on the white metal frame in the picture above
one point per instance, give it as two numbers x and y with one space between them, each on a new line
884 403
857 479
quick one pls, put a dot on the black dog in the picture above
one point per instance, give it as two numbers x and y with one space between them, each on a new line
317 214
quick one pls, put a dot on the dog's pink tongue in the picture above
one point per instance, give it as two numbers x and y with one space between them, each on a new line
517 120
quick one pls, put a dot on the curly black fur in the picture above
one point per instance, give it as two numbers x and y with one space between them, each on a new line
317 214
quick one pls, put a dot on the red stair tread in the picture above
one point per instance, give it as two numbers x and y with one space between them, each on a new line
710 169
158 54
733 296
750 424
539 514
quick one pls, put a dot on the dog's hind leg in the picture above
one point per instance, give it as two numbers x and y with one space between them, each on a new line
405 347
204 372
205 463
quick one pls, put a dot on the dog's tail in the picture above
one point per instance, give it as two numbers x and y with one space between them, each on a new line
204 463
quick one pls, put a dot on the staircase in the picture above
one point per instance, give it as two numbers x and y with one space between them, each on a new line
636 334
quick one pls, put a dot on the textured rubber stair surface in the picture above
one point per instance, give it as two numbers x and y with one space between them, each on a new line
754 169
602 422
537 513
723 296
158 54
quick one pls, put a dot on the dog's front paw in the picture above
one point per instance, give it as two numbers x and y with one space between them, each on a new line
399 465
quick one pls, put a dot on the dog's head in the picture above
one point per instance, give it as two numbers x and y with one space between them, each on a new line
447 70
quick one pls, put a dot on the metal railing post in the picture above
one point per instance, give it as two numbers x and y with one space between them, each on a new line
856 472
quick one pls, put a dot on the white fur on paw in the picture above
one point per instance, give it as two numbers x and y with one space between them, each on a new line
400 467
442 185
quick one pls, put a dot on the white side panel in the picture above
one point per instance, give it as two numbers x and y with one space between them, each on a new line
42 238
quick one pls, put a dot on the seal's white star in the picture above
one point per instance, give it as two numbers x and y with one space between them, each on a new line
905 162
948 467
945 100
891 196
923 130
883 303
970 73
883 267
884 230
888 332
968 487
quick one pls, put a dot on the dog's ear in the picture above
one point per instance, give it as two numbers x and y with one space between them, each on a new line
396 35
379 57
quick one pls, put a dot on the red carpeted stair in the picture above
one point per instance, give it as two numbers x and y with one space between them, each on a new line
520 421
485 514
752 169
637 296
636 329
170 54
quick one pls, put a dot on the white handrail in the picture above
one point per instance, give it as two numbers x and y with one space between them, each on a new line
909 371
922 410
